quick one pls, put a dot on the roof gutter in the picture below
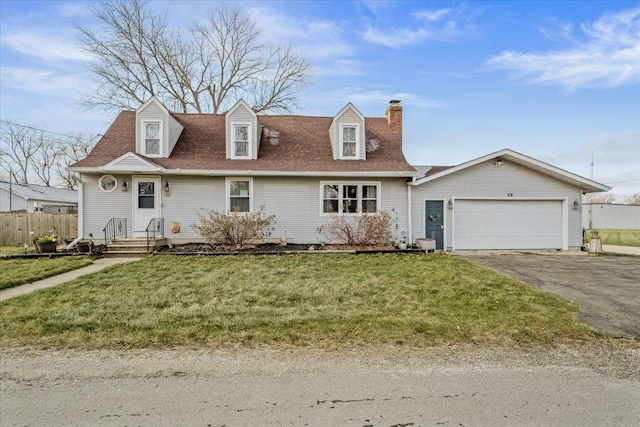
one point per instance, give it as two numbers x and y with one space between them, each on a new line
241 172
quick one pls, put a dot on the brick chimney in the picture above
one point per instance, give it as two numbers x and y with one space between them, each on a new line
394 117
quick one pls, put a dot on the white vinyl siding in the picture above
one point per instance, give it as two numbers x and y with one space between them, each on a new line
485 181
99 207
348 117
170 128
294 201
242 115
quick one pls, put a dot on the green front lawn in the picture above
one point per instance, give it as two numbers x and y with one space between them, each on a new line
14 249
617 237
14 272
327 301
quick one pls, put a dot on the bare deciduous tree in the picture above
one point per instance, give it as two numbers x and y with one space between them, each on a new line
28 151
33 155
72 149
223 58
607 198
632 199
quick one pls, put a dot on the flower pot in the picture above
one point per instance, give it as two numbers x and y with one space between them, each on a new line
46 248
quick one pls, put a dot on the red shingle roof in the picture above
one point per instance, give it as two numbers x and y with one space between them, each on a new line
303 145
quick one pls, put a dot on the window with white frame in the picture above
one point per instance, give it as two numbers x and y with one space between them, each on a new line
239 194
350 198
349 136
152 138
241 141
107 183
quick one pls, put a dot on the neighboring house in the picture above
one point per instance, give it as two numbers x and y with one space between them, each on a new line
37 198
610 216
155 164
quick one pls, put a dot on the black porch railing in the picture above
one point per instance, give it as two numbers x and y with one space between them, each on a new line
155 227
116 227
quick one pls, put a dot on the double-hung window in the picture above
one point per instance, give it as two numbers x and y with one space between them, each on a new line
152 138
349 138
239 194
350 198
241 148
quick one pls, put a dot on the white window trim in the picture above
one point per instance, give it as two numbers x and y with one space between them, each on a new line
100 183
341 151
144 138
227 191
340 198
233 140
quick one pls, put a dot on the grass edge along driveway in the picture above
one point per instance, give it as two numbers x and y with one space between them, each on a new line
324 301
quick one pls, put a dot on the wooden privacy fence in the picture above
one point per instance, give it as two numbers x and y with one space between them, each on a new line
15 227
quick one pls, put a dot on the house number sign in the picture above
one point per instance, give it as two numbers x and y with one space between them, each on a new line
509 194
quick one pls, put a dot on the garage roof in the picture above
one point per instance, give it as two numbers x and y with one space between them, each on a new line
506 154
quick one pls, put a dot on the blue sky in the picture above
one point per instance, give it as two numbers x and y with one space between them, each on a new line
559 81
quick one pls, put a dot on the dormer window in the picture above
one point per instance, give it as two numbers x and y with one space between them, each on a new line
152 138
241 148
349 141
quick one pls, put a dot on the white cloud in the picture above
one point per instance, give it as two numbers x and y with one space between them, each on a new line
432 15
360 97
73 9
434 25
341 67
43 82
316 38
609 57
44 45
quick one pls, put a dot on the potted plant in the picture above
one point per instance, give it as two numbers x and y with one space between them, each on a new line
47 243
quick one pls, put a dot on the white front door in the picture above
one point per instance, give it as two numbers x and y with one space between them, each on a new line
146 203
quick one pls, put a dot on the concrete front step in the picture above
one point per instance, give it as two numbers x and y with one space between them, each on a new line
132 247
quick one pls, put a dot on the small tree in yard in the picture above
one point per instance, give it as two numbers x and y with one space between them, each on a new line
234 228
361 230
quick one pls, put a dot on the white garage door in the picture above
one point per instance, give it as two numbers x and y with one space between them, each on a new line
508 224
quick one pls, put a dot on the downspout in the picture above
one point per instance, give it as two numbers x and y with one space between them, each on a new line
409 233
80 208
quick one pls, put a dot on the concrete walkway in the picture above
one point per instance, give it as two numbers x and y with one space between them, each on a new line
49 282
629 250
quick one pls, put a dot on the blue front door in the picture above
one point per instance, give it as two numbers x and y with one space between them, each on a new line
434 220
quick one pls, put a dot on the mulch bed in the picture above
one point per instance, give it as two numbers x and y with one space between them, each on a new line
268 248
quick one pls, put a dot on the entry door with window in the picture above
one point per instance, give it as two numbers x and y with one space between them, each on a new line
434 220
146 203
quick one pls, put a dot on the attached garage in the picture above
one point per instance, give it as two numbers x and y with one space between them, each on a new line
504 200
507 224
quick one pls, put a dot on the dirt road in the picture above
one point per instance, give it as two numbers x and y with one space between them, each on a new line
583 385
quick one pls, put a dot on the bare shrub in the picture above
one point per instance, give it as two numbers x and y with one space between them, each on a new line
234 228
361 230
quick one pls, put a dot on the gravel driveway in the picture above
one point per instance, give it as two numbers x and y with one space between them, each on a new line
606 287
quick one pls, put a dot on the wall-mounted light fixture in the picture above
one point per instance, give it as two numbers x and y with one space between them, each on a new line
125 185
167 188
498 163
576 204
450 204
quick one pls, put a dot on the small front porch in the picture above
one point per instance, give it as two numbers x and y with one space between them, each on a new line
132 247
118 244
